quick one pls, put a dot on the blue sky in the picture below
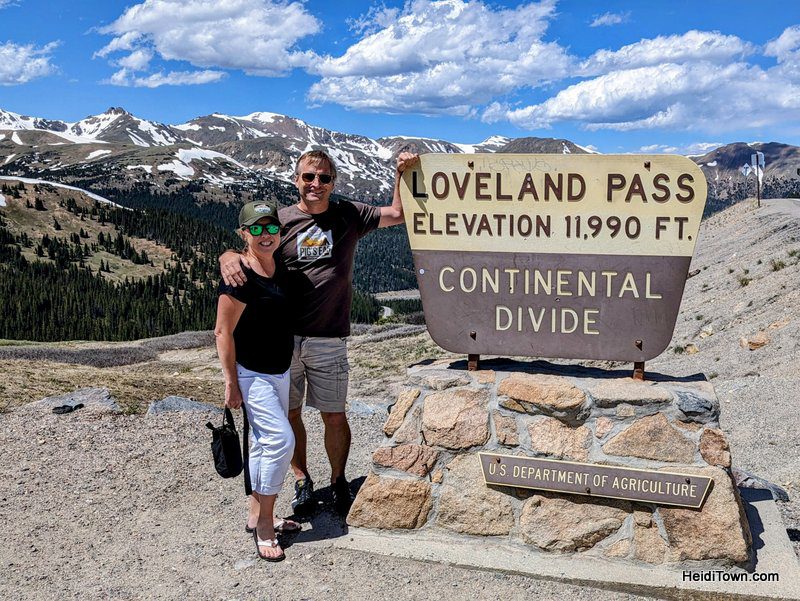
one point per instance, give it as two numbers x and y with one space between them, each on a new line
674 76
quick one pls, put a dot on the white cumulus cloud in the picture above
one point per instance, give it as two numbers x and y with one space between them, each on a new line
785 46
786 49
694 149
699 96
138 60
442 56
693 45
698 81
124 77
609 18
255 36
20 63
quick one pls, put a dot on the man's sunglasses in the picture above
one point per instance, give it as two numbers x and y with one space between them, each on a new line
324 178
257 229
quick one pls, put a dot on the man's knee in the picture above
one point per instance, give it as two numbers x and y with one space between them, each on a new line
335 421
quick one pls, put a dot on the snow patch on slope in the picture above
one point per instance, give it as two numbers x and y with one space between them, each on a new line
30 180
187 155
75 139
137 140
180 169
96 153
2 201
159 136
95 125
263 117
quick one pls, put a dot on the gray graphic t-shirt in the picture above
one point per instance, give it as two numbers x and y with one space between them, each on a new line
318 251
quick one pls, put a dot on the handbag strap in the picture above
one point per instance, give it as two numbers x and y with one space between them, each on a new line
227 418
248 487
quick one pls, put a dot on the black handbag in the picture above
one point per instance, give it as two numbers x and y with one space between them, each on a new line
229 460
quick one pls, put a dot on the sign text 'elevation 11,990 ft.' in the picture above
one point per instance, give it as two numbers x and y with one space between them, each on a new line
574 256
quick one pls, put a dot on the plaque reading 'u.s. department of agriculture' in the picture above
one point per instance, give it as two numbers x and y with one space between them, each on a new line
574 256
650 486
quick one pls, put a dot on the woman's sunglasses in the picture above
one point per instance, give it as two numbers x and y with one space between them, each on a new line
324 178
257 230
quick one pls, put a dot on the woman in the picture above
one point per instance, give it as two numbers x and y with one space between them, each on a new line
254 343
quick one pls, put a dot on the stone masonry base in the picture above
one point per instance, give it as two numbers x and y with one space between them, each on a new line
426 475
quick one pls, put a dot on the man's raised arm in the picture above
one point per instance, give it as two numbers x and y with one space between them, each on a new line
393 214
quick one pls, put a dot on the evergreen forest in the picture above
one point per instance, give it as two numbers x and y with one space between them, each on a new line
50 292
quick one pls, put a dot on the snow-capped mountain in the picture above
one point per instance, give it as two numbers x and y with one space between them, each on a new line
118 125
115 125
220 149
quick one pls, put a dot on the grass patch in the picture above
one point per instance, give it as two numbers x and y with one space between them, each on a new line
777 264
744 280
6 342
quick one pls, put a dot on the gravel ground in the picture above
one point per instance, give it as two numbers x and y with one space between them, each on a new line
128 507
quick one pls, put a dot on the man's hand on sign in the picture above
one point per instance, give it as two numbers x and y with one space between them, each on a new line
393 214
406 160
230 265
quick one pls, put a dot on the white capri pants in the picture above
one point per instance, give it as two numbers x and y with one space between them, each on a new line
266 400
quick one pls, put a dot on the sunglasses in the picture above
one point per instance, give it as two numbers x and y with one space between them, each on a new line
324 178
257 229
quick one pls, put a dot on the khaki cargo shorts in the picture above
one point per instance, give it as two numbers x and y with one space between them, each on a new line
320 373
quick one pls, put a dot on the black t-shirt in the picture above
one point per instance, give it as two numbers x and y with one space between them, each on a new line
319 250
263 337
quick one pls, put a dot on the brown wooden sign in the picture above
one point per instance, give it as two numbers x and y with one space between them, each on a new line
661 488
574 256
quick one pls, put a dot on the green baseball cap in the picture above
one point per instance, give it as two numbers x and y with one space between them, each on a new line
258 209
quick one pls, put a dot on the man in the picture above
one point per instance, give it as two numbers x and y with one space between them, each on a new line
317 246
